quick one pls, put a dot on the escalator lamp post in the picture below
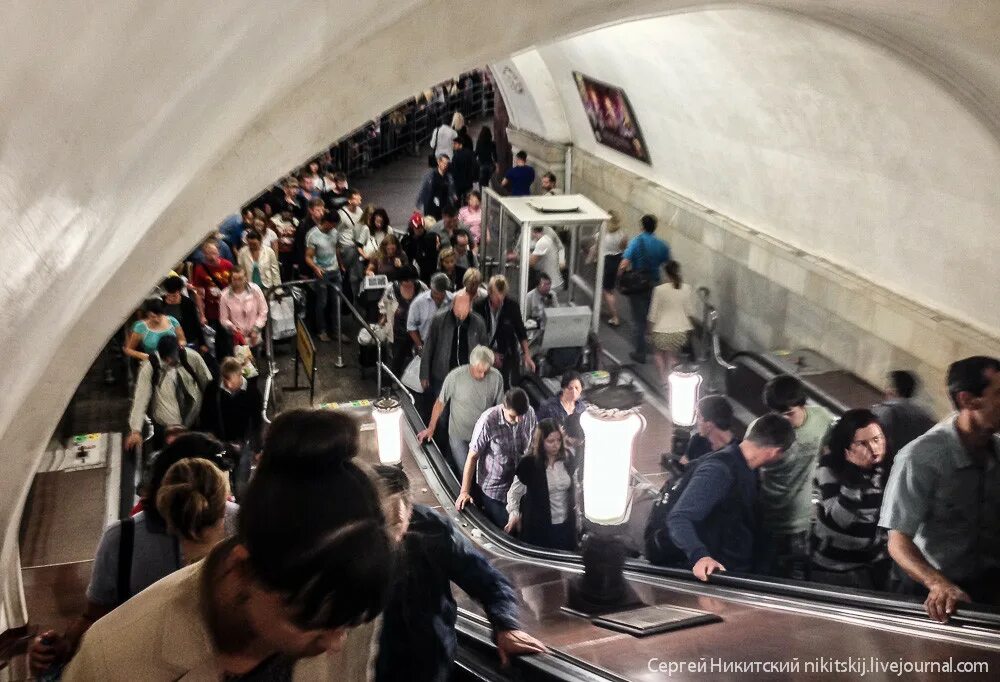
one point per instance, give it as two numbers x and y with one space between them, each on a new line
607 468
388 417
684 384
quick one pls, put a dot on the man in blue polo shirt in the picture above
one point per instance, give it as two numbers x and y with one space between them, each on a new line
647 253
519 178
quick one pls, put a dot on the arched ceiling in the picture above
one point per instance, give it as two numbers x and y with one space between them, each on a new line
128 129
804 131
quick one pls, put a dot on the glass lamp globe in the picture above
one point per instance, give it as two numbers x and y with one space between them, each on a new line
607 468
684 385
388 417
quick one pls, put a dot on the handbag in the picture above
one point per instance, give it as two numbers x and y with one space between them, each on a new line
635 281
411 376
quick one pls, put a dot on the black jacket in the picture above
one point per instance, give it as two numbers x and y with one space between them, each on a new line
299 247
423 252
464 170
194 333
233 418
510 331
417 642
536 513
435 363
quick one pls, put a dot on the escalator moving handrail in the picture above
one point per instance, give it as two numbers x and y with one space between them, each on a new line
818 395
868 601
475 630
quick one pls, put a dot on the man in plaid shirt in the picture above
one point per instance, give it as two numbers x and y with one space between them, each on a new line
501 437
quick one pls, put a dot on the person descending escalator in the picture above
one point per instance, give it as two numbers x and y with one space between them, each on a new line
468 391
417 642
786 485
706 520
541 502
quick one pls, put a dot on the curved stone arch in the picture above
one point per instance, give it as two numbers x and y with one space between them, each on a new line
52 329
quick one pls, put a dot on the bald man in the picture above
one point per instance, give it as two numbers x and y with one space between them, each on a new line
453 334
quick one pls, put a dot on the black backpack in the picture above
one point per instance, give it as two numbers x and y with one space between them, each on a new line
660 549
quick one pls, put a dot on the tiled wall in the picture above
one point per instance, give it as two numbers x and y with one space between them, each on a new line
771 295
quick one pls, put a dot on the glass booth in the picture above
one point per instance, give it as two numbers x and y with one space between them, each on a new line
573 221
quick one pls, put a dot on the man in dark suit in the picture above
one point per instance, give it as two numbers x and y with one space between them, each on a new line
508 338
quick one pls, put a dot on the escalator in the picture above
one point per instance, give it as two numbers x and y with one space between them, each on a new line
761 618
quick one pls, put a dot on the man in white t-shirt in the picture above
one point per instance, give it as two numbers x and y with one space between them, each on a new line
354 234
545 256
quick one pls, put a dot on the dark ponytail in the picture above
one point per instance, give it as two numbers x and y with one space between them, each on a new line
312 522
673 269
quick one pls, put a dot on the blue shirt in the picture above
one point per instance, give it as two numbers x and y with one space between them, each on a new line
714 515
520 179
648 253
324 246
232 230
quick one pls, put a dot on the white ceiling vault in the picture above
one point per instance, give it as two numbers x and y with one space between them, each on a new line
127 131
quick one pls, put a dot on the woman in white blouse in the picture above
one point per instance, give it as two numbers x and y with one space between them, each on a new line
541 500
669 319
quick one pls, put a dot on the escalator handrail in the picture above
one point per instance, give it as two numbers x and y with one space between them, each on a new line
816 394
864 600
475 631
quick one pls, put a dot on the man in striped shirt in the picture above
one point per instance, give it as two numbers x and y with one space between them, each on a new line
500 438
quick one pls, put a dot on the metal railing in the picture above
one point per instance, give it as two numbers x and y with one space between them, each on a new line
407 127
709 331
341 299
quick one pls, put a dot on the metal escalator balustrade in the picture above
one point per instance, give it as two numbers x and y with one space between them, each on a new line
981 625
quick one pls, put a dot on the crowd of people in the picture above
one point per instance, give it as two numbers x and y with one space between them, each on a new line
881 498
215 572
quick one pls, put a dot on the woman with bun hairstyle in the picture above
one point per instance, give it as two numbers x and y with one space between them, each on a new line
292 596
192 500
154 552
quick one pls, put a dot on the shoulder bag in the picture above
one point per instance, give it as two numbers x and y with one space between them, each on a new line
635 280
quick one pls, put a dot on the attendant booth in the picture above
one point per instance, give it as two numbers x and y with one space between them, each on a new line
575 222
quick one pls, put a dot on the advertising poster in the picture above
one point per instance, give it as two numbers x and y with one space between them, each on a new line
611 117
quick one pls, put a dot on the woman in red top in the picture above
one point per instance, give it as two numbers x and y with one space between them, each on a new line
210 277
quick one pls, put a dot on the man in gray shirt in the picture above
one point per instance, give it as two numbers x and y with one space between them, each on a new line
470 390
170 387
942 501
901 418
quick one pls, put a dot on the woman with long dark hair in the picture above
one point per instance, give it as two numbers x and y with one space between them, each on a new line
541 500
848 547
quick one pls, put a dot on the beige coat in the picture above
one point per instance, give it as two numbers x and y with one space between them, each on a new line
159 635
270 272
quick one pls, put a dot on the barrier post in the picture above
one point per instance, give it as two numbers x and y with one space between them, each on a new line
339 364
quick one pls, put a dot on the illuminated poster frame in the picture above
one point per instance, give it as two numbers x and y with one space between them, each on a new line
611 117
